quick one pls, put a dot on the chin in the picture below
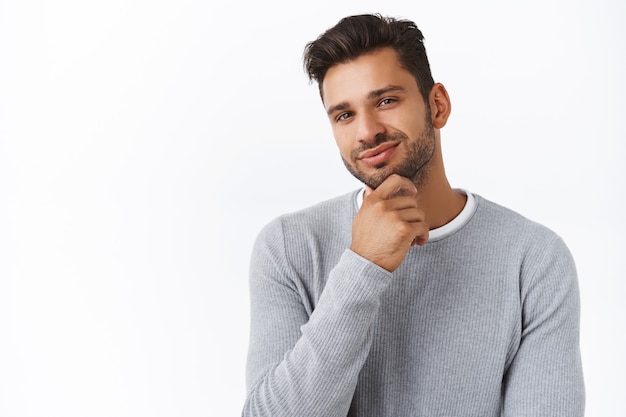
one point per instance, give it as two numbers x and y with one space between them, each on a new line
374 180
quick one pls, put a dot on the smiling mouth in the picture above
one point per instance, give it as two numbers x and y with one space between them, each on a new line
378 155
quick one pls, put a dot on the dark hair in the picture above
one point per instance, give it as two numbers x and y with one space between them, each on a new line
354 36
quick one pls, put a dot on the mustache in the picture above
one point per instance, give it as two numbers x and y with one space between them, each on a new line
379 139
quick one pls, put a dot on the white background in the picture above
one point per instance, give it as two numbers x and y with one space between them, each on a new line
143 144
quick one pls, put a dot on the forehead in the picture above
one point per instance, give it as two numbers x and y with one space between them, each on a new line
354 79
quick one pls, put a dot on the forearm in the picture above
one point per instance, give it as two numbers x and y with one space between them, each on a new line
317 377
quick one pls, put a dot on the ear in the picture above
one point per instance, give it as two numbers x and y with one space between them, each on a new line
440 105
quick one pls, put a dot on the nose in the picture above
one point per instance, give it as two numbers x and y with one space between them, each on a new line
368 127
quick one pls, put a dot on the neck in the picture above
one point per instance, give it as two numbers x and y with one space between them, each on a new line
436 197
440 206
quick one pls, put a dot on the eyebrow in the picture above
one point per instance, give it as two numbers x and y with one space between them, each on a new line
372 95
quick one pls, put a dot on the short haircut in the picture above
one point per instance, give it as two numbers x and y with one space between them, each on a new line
357 35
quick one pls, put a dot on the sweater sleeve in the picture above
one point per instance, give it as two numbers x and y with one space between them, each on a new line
300 364
545 377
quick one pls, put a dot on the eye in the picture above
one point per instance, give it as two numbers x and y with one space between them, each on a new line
386 101
343 116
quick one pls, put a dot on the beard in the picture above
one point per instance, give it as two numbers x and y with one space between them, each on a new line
414 166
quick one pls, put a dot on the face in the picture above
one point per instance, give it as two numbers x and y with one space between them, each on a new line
379 119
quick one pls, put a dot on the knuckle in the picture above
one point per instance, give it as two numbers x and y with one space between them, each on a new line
384 205
403 228
395 217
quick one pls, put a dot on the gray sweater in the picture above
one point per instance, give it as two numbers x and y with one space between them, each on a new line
482 322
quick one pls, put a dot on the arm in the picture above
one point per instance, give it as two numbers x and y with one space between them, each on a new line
545 377
301 365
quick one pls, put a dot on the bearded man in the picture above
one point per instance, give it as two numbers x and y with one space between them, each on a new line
407 297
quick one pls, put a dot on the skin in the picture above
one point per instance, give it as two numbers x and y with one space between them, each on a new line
390 139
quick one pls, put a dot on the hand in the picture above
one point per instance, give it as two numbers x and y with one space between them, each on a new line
389 223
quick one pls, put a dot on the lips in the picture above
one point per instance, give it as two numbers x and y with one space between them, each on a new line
379 154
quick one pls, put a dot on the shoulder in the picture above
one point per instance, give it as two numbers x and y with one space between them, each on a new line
306 240
329 216
505 222
534 244
542 251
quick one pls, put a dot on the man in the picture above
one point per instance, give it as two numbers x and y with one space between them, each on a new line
406 298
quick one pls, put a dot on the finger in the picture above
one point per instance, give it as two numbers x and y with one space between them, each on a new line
420 241
393 186
412 215
399 203
421 236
